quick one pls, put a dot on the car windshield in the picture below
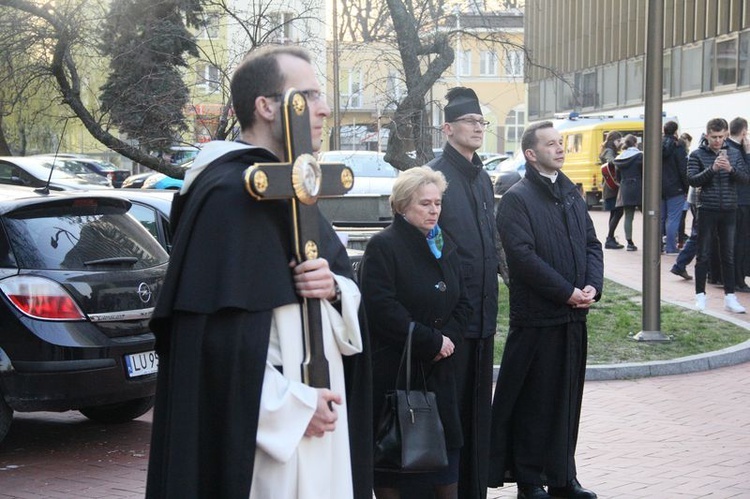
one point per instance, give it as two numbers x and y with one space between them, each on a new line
72 167
81 234
363 165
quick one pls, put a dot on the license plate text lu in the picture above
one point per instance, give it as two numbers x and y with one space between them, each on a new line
141 364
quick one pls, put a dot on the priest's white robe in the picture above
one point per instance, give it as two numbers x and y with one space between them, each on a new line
289 465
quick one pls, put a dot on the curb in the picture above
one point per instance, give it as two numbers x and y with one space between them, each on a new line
729 356
726 357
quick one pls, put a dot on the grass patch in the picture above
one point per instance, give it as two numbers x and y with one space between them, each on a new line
614 321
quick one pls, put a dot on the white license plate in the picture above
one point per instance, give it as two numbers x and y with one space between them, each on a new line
141 364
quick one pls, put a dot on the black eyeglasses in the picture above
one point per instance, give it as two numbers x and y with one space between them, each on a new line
473 122
310 95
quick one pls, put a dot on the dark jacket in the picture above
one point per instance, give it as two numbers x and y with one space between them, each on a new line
743 190
673 168
468 217
629 164
228 270
607 155
718 188
552 248
402 283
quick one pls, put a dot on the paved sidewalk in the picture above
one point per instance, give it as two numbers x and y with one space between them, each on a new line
685 436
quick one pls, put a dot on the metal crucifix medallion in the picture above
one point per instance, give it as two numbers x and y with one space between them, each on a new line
302 180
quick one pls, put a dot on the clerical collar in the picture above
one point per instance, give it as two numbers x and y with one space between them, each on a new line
551 176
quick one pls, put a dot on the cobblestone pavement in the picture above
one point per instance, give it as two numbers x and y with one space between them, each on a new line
685 436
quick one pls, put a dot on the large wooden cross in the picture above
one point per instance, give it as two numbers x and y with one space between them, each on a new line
302 180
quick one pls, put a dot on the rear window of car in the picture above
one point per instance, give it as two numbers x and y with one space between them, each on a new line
363 165
82 234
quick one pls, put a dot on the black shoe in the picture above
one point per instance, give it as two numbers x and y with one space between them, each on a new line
742 288
613 244
572 491
526 491
682 273
632 247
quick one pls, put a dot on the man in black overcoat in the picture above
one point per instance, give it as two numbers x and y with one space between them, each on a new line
231 282
556 273
468 217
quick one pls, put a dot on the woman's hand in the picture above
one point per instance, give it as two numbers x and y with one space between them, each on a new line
446 350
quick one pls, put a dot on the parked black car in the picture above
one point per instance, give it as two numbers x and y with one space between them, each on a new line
79 279
151 207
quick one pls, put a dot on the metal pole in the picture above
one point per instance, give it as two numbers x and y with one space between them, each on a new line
652 176
336 103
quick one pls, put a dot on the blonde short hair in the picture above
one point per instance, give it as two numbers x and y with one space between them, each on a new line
409 182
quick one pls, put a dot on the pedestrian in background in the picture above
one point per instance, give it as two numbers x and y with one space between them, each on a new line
685 140
609 150
674 185
716 169
467 216
739 141
629 164
556 273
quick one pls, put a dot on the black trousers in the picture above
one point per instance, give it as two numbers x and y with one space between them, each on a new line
725 225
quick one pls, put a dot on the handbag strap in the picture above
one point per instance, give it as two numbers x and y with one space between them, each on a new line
407 355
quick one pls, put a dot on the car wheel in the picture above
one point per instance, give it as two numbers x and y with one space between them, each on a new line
6 417
121 412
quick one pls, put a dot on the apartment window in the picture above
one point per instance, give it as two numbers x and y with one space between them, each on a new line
488 63
726 62
350 88
676 69
691 69
666 76
208 77
210 27
395 89
514 63
743 76
709 80
634 81
609 86
514 126
534 100
463 63
588 91
565 99
280 27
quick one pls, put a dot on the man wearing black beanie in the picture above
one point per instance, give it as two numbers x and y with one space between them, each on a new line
468 217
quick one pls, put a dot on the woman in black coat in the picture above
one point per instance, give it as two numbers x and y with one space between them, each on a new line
607 153
629 165
410 277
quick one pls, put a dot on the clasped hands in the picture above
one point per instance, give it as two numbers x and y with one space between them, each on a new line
582 298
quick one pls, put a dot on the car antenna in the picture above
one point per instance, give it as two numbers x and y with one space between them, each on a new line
45 190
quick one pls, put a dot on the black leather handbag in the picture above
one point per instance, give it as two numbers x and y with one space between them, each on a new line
410 437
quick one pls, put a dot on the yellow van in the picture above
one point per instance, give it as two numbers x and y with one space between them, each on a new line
582 137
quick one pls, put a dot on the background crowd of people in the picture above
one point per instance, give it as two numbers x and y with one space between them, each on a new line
712 182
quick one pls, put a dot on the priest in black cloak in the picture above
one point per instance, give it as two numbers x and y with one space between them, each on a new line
232 418
556 272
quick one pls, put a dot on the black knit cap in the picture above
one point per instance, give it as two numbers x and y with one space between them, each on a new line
461 100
